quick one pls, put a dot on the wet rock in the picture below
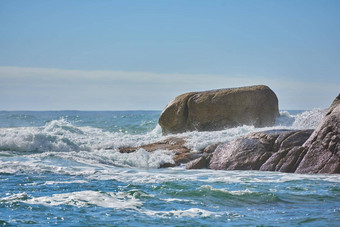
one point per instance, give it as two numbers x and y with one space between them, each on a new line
199 163
167 165
269 150
210 148
323 148
301 151
176 145
186 157
286 151
239 154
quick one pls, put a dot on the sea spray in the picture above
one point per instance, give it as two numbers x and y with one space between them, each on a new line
62 136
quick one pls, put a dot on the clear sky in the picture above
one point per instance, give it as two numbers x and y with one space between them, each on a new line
127 55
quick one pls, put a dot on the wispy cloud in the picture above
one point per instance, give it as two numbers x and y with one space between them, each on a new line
47 88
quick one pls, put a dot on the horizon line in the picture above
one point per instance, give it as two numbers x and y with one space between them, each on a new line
146 110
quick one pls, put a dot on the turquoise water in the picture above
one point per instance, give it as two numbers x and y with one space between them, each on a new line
63 168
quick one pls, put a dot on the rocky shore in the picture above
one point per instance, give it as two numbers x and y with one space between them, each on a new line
294 151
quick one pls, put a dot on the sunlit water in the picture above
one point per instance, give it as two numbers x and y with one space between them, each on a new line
64 168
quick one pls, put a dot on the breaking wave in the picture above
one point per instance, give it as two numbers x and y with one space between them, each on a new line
61 140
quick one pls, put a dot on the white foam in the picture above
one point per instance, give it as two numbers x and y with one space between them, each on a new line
285 177
87 145
99 167
118 200
309 119
14 197
139 159
198 140
85 163
285 119
180 200
61 136
63 148
65 182
192 212
237 192
31 163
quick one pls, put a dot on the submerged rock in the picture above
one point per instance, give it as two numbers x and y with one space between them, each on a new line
220 109
174 144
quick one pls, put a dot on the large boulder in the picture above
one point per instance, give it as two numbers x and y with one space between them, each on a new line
219 109
267 150
322 149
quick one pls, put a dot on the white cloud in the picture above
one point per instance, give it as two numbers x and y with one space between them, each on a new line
46 88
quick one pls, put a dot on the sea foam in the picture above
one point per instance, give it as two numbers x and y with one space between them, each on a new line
119 200
60 139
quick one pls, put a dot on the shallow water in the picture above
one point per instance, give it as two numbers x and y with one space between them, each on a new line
63 168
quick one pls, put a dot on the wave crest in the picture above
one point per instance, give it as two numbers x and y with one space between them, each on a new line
304 120
309 119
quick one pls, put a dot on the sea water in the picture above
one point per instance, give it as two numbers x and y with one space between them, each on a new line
63 168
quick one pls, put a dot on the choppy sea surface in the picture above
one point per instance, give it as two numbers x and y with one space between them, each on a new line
63 168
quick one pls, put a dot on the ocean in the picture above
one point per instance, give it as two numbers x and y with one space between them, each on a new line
63 168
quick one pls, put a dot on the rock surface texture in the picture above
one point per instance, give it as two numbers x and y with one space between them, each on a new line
271 151
219 109
181 154
303 151
322 149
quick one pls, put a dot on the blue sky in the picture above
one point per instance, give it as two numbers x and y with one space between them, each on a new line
117 55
